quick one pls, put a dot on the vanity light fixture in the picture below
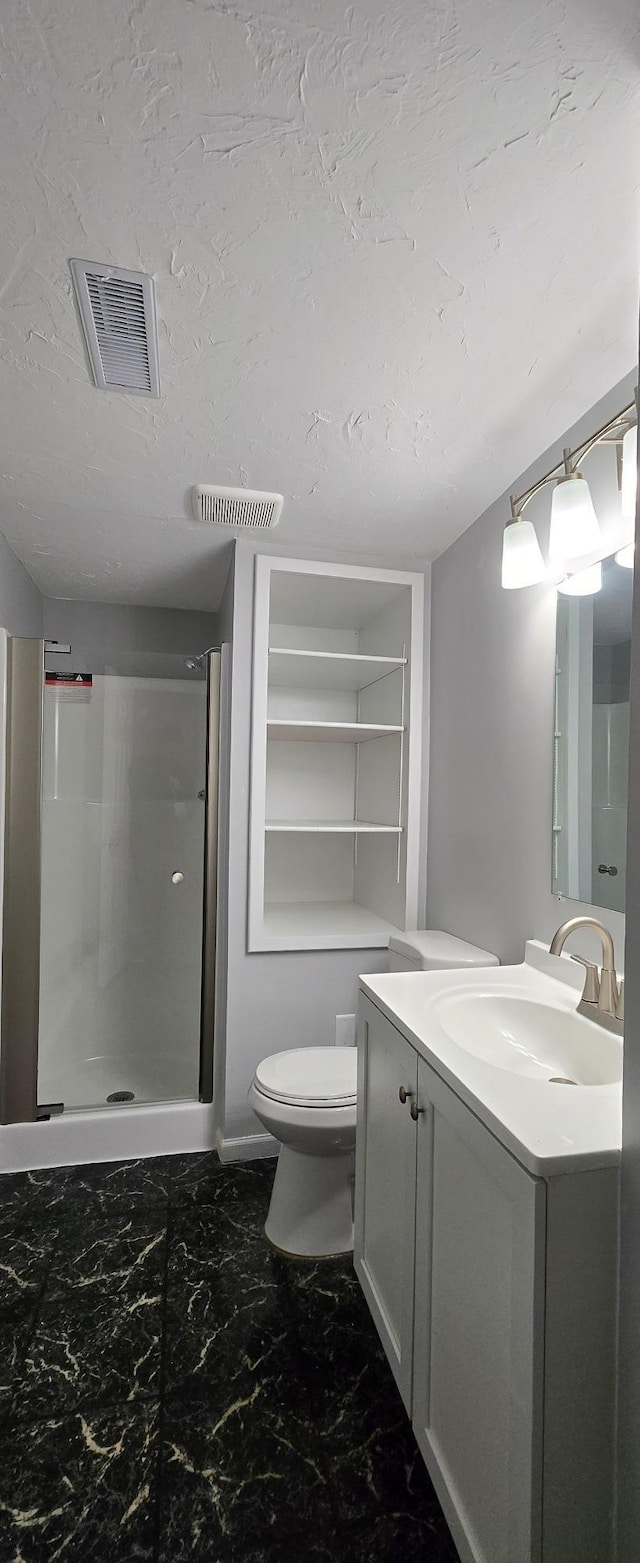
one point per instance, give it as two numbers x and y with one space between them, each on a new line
574 523
522 561
585 583
625 555
575 532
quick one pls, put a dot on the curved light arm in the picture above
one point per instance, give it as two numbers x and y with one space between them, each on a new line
571 458
519 502
624 423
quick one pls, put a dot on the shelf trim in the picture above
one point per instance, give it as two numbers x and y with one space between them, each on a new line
351 732
364 664
333 656
334 827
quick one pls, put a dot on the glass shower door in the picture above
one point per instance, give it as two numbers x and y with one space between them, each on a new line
123 852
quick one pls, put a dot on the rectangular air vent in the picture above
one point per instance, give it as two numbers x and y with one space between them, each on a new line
239 507
118 314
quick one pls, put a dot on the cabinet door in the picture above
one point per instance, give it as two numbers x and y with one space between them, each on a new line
479 1330
385 1186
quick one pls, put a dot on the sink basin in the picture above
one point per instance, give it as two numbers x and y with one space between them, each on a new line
531 1038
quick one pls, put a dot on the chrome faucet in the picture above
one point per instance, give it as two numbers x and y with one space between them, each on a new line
602 1000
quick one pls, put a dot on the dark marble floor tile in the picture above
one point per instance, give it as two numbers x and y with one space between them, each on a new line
24 1264
80 1488
204 1180
340 1346
397 1539
285 1435
248 1486
120 1186
228 1319
374 1465
110 1186
15 1334
332 1318
377 1474
22 1194
92 1347
124 1253
25 1256
216 1236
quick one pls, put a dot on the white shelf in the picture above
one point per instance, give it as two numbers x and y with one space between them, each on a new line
331 826
327 669
317 925
327 732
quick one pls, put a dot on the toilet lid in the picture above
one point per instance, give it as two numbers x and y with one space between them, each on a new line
310 1076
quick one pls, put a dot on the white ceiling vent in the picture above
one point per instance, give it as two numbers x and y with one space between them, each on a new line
118 314
235 506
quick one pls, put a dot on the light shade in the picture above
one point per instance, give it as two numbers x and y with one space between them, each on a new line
522 561
625 555
629 475
574 523
584 584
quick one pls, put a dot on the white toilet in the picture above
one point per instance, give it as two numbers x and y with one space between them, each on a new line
306 1098
433 950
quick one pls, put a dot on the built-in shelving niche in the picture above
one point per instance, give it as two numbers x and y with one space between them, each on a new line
335 755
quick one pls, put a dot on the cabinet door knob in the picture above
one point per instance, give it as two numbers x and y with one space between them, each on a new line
404 1094
415 1111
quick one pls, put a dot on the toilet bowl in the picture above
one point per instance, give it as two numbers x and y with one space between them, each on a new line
306 1098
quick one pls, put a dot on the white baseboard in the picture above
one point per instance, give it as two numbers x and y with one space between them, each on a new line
247 1148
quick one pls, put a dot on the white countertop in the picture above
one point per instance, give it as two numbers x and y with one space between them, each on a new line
548 1128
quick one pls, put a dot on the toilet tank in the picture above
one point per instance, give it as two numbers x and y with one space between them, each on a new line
431 949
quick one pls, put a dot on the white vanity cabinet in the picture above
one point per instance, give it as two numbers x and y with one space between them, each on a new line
386 1188
493 1292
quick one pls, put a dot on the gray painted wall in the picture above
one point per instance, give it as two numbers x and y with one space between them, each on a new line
99 629
629 1339
492 695
225 611
21 604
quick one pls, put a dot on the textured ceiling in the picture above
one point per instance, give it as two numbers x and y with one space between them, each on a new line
395 251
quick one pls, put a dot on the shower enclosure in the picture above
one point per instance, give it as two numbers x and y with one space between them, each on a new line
116 912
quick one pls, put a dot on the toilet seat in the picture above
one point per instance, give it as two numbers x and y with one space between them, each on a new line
310 1077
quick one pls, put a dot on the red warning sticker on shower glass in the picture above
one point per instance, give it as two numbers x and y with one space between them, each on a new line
70 680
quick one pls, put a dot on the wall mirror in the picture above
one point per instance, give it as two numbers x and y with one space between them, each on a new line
591 741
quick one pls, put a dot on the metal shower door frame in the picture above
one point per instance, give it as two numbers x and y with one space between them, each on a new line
210 896
22 881
20 1007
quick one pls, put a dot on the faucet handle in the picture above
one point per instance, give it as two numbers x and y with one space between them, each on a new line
591 993
620 1003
